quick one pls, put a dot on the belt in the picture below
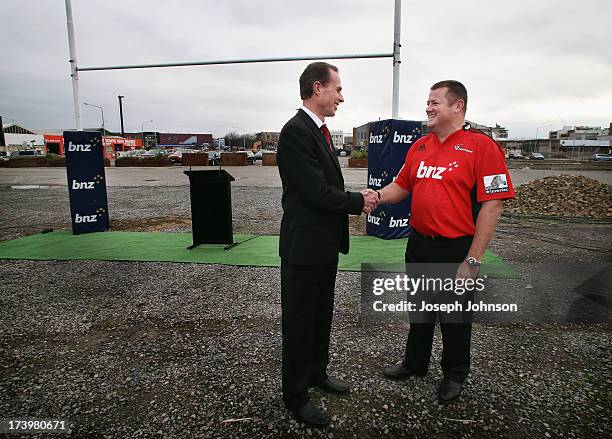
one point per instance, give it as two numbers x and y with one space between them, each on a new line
435 237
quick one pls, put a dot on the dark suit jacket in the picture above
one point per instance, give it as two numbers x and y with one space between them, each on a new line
314 228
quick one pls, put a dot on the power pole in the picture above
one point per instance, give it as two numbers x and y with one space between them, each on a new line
121 114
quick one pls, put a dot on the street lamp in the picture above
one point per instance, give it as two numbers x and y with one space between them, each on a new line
102 110
537 130
142 131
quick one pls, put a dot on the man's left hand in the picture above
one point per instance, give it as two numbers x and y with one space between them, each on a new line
465 271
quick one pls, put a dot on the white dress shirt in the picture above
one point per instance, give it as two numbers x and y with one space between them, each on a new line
313 116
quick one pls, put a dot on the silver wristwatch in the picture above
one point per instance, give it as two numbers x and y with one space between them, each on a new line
473 262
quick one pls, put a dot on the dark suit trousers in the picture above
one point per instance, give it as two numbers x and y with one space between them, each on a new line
307 298
456 337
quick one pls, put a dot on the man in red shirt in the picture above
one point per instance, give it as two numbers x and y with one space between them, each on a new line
458 178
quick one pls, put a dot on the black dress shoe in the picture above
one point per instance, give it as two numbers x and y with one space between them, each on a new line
311 415
332 385
449 391
398 372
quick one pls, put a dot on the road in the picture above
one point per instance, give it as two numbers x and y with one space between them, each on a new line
255 176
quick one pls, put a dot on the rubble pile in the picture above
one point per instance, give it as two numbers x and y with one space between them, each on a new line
563 195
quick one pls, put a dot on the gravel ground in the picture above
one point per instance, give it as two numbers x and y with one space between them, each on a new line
162 349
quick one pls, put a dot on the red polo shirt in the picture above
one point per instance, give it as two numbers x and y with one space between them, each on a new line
447 179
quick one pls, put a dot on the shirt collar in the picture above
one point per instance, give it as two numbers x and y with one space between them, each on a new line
313 116
451 136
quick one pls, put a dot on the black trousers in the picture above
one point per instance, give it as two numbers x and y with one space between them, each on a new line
307 299
456 336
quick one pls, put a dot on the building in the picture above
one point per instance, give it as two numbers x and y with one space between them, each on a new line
17 137
153 139
268 139
337 137
496 133
580 142
54 144
580 133
583 149
113 143
150 139
548 147
499 132
361 136
178 139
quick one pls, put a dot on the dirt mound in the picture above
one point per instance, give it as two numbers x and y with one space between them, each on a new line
563 195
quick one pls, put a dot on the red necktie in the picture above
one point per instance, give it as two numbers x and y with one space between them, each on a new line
327 136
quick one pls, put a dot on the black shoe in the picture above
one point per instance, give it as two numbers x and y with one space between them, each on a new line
311 415
332 385
398 372
449 391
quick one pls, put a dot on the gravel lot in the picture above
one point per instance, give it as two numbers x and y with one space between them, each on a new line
162 349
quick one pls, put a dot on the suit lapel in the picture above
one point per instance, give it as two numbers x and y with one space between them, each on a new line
319 135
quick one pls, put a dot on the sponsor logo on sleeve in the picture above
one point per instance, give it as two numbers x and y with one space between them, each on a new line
494 184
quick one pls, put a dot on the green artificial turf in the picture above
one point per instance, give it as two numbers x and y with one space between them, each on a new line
260 251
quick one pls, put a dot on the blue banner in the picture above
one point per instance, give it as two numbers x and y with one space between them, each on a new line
388 144
86 181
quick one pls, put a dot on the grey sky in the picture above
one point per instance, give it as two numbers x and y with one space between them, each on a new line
525 64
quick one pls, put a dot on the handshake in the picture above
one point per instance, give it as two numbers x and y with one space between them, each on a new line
370 200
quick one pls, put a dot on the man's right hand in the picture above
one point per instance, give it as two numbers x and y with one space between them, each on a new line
370 200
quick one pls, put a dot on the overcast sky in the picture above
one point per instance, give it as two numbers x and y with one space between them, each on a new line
525 64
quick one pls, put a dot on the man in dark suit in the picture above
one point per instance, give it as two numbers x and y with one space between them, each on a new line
314 229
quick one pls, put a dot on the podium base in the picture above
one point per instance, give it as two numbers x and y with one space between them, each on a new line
227 247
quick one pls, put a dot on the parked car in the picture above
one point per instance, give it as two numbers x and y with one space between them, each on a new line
515 155
214 158
177 156
128 153
154 152
536 156
601 157
135 152
26 153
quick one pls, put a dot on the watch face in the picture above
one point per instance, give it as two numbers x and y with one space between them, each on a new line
472 262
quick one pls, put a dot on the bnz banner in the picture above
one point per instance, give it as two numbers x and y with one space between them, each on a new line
389 142
86 181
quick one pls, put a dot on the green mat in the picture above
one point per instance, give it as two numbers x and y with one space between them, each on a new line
260 251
